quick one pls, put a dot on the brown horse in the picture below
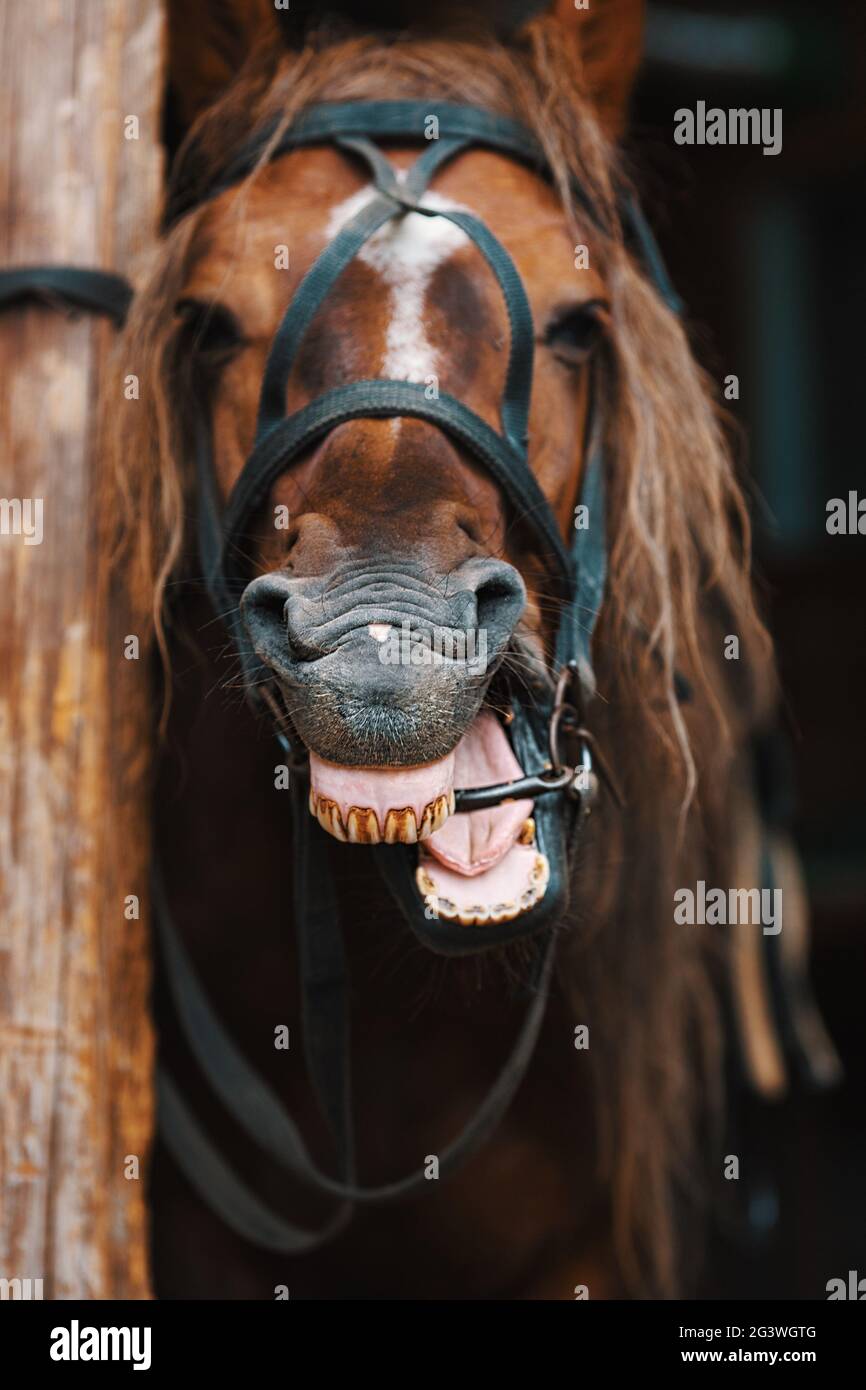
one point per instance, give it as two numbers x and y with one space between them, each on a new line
585 1181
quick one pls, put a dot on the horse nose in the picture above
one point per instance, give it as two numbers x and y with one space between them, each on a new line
386 662
293 620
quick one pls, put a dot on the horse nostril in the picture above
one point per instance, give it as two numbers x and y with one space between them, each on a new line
266 599
493 592
500 596
263 607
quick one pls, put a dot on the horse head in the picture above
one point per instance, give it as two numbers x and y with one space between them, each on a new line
393 591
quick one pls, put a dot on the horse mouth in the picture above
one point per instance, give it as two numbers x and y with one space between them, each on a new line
474 867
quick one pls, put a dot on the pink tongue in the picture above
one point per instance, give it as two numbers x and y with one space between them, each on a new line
471 842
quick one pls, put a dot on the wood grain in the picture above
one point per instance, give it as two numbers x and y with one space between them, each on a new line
75 716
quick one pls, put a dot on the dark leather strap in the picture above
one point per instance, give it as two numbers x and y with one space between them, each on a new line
589 564
408 121
220 1189
648 248
258 1111
318 280
75 287
324 982
279 440
396 198
369 399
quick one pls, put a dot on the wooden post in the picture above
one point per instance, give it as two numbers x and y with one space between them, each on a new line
80 175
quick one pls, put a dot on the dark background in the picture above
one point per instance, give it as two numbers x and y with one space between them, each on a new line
769 254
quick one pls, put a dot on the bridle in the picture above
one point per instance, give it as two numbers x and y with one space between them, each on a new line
580 571
564 792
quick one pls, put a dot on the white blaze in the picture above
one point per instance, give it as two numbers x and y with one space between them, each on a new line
406 253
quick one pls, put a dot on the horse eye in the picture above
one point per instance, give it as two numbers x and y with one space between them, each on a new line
572 335
210 331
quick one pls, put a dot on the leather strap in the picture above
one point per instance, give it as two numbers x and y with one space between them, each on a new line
407 121
369 399
589 565
258 1111
219 1187
395 199
74 287
445 129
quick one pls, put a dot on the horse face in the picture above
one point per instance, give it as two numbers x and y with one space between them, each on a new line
388 601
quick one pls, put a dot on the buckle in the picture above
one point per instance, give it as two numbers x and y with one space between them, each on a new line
579 781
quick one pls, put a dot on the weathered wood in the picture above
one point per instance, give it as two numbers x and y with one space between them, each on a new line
75 1042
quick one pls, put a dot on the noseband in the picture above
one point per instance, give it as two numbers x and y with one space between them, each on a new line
564 793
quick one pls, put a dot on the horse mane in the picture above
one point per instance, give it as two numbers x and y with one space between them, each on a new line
678 582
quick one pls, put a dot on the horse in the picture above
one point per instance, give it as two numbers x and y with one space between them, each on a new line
607 1152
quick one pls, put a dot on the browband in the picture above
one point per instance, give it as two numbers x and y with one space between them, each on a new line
330 121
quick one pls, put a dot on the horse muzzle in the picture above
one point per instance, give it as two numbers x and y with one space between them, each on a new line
384 672
382 664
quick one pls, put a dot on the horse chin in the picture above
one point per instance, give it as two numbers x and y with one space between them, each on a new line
474 867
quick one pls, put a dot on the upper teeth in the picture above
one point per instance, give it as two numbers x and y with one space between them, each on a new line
361 825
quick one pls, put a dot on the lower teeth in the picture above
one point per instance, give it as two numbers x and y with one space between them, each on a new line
479 914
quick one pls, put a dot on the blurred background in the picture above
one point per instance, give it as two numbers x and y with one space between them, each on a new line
768 254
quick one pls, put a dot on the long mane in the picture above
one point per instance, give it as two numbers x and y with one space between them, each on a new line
678 583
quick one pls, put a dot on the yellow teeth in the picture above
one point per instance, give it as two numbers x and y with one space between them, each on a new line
362 825
400 827
328 815
480 914
435 815
425 882
527 833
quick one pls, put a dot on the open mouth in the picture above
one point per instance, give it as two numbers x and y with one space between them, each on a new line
474 867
